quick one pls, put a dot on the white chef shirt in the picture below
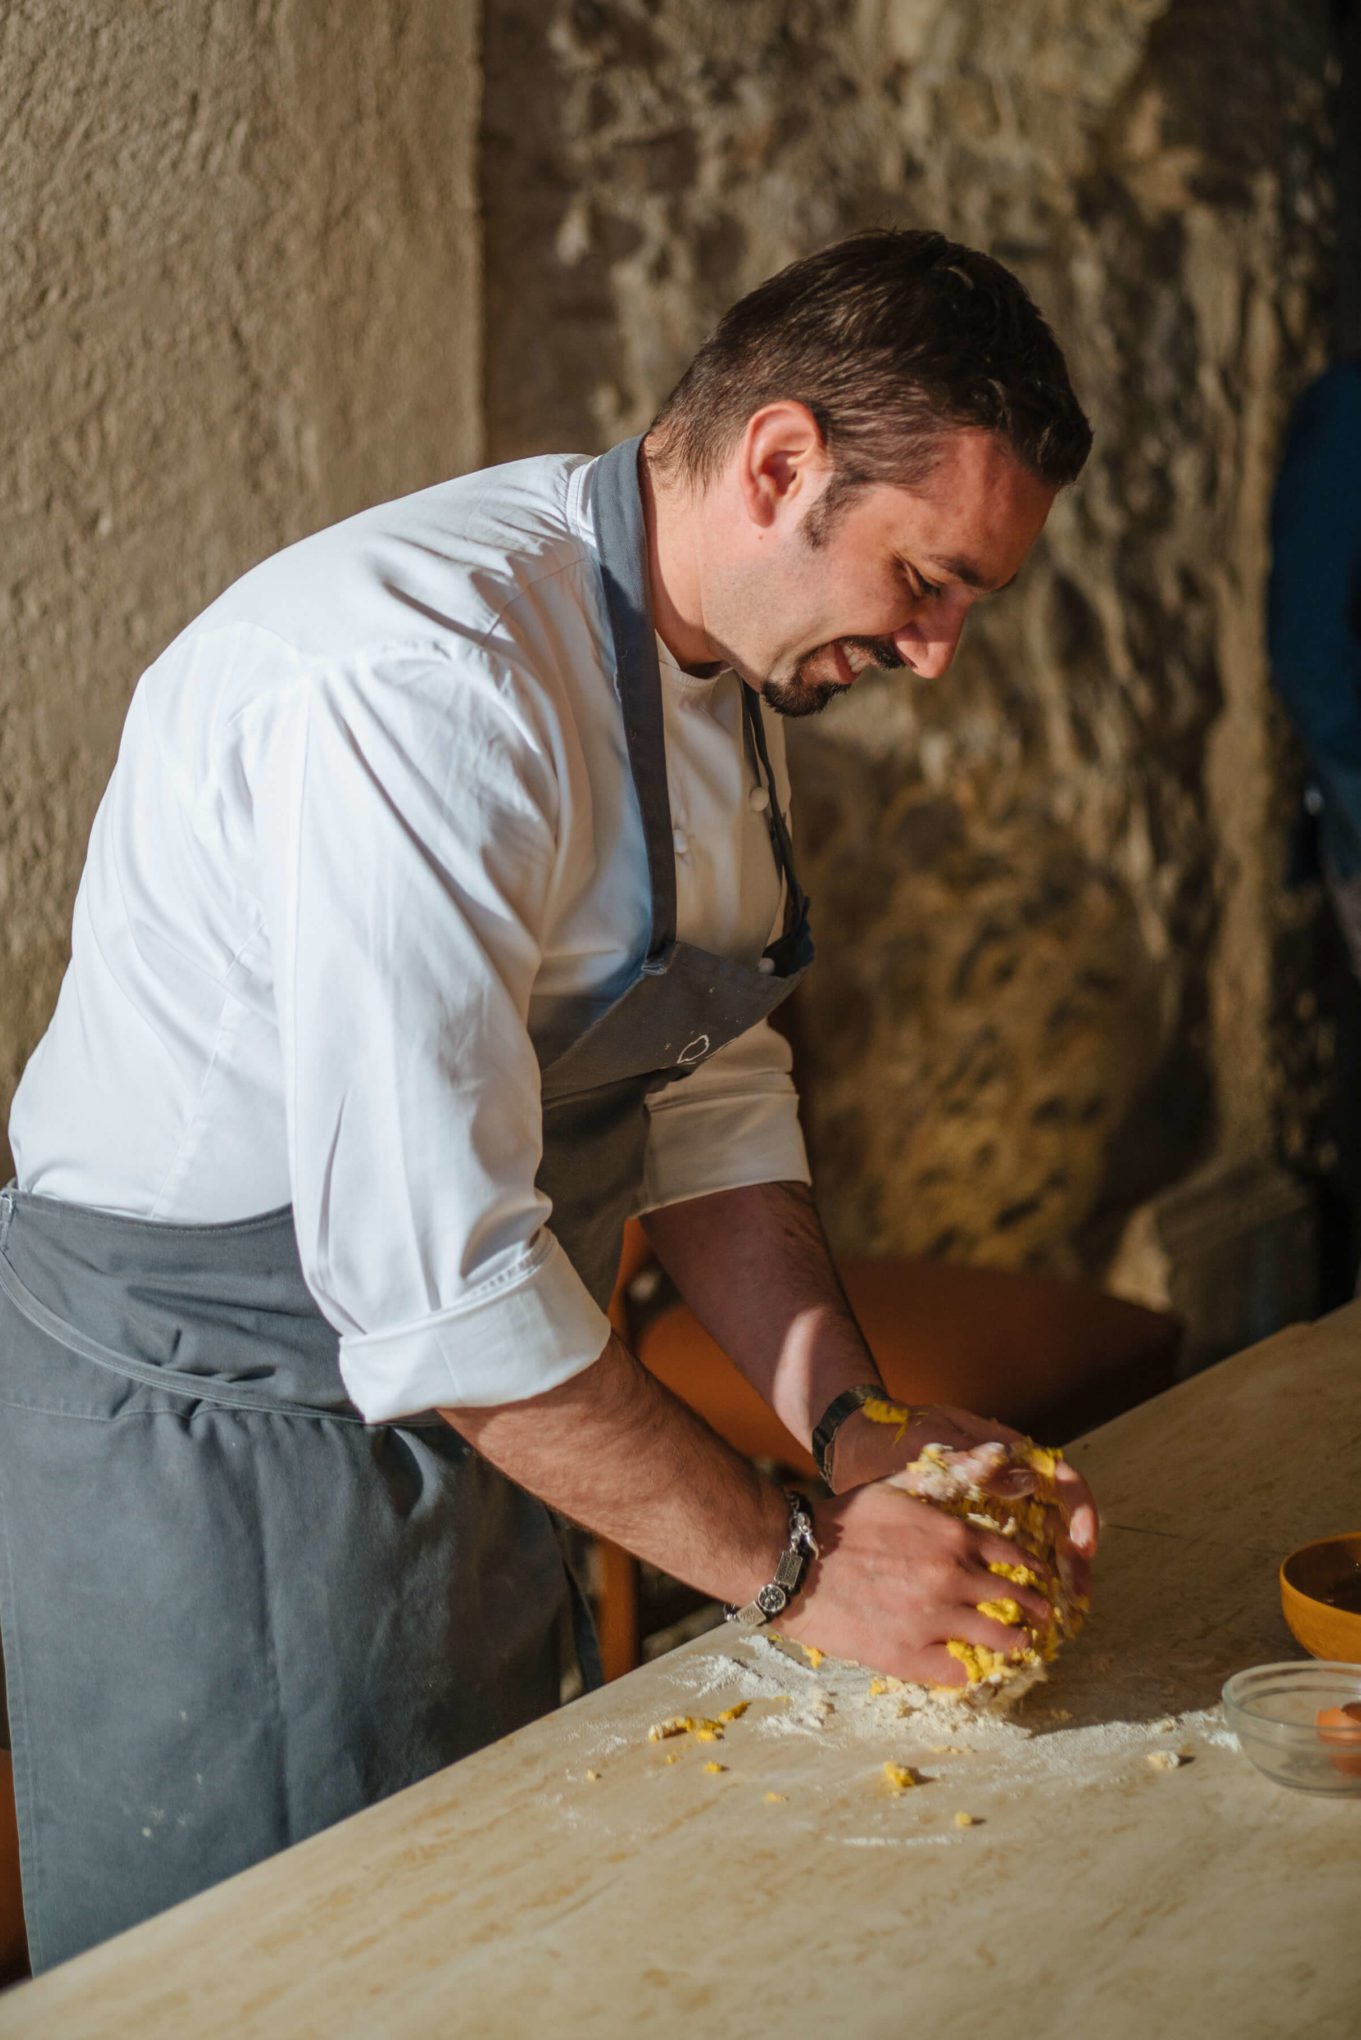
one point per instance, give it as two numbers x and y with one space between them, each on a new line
371 824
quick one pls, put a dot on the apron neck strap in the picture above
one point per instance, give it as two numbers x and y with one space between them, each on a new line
754 718
621 535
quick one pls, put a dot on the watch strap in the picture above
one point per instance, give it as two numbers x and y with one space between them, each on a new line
834 1416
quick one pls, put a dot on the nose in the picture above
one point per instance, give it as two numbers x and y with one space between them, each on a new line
929 647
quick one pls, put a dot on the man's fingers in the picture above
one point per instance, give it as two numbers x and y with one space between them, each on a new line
963 1433
935 1667
1079 1507
1009 1483
997 1550
972 1627
985 1586
1076 1574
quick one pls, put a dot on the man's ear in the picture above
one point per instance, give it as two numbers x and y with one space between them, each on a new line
782 462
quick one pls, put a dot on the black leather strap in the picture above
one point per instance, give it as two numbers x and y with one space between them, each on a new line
834 1416
754 717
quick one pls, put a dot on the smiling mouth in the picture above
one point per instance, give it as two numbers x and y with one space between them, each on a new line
850 664
853 656
828 670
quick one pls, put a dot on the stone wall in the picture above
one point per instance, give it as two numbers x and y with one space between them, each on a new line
241 300
1047 889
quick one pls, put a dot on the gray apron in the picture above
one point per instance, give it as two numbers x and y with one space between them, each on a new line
232 1612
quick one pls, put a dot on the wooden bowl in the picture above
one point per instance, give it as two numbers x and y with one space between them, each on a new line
1310 1578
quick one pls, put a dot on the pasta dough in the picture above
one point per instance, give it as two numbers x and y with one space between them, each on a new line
1010 1488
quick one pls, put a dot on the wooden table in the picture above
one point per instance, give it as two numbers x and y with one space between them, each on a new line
1098 1896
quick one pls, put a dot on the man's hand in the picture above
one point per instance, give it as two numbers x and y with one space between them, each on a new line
868 1451
754 1266
611 1448
896 1578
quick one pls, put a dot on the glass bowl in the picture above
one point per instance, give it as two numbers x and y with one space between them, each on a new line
1273 1710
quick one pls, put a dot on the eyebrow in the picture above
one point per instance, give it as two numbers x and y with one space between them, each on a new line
967 572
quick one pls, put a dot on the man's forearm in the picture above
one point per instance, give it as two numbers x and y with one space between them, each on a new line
615 1451
754 1267
612 1448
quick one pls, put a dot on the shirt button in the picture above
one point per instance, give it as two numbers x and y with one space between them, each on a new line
766 966
759 799
681 841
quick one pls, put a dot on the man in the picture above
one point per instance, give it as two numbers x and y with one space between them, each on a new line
430 928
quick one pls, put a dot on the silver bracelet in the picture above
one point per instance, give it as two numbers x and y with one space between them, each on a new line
775 1596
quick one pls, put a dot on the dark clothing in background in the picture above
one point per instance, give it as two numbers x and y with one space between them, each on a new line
1314 617
1314 634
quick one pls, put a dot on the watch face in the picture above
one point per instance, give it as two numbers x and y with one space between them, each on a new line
772 1599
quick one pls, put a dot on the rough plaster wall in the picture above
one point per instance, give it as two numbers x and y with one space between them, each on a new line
241 289
1047 888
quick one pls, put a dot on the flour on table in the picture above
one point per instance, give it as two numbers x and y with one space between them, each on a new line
942 1735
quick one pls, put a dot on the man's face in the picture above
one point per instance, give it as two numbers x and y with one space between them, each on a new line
887 580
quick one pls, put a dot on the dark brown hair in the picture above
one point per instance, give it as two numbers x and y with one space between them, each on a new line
892 339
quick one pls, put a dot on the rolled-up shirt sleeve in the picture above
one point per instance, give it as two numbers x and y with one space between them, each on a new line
405 818
733 1123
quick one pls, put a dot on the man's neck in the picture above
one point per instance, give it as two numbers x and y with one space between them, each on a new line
673 571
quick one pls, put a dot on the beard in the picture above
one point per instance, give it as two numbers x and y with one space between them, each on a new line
802 693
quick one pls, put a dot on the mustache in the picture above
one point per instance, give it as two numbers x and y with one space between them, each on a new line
882 651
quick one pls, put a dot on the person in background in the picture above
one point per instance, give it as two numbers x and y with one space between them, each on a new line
1314 638
1314 621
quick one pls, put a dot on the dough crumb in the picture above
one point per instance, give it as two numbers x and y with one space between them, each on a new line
813 1654
1005 1610
963 1820
773 1798
672 1757
736 1711
713 1769
685 1724
675 1724
901 1777
1165 1760
1019 1575
978 1661
595 1776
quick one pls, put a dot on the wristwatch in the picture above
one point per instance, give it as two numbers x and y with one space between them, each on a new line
834 1416
774 1597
